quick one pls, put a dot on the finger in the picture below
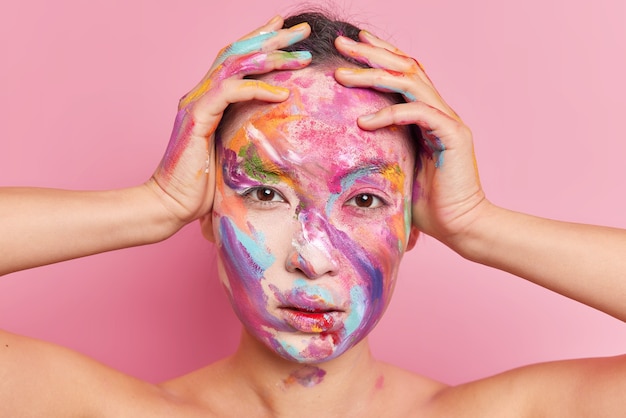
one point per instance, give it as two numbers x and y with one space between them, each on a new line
261 63
208 111
427 117
272 25
258 63
368 37
438 129
371 39
374 56
411 86
386 81
265 42
435 124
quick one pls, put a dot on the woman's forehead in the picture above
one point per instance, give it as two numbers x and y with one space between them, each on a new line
317 124
319 117
319 94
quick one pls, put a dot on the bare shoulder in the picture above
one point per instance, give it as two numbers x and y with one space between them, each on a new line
43 379
570 388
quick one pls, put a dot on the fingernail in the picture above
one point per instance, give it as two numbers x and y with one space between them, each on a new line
273 20
368 34
300 55
346 41
300 27
347 71
279 91
366 118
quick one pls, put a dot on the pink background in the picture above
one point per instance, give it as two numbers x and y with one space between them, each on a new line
88 96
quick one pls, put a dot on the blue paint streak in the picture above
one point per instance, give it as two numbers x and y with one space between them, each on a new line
290 349
347 182
437 147
314 292
357 310
409 96
254 247
245 46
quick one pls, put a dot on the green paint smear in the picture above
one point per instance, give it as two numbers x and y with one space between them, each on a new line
253 165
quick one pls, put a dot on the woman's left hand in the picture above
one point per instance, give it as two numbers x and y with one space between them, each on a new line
447 195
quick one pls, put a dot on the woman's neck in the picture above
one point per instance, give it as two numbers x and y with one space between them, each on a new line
279 386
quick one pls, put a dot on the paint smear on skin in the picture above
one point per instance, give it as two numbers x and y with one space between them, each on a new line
384 88
380 382
258 63
292 60
312 291
370 271
367 299
303 294
258 169
307 376
246 261
346 181
357 309
408 219
438 153
181 135
400 226
282 77
272 121
392 173
245 46
257 43
314 238
409 96
303 82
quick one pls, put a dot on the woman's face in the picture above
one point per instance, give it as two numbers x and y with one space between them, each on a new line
311 215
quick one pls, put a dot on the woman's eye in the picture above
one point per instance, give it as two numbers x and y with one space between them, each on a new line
365 200
264 194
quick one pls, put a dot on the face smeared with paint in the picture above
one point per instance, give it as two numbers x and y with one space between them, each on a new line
311 215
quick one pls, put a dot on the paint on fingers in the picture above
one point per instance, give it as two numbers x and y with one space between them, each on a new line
245 46
179 140
256 84
435 148
195 94
388 89
262 63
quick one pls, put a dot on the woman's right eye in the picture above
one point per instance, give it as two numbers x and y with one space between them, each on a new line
264 194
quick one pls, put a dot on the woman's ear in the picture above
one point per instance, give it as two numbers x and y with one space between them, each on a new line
206 224
414 234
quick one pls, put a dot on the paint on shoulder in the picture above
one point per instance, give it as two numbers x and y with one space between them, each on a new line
380 382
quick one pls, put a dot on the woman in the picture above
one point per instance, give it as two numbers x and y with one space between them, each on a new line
313 185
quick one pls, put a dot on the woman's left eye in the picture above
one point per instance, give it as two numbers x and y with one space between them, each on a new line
365 200
264 194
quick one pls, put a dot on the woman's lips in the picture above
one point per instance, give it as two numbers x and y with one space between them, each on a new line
311 321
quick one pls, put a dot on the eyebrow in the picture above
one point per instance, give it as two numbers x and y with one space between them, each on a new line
366 168
257 169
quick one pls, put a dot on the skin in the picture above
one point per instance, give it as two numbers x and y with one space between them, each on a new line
298 232
41 379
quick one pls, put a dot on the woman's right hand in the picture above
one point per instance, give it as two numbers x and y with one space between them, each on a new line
447 195
185 178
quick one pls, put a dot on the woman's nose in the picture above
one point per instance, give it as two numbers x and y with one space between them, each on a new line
313 252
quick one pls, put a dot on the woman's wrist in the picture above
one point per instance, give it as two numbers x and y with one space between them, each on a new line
475 240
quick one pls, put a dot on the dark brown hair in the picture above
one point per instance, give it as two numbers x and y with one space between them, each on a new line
321 45
321 42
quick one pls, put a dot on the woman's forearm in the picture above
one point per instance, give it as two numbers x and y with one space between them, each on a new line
44 226
584 262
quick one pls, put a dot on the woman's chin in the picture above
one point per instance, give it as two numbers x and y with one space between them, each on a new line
307 348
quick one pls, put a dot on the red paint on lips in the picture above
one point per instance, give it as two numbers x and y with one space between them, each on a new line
310 322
